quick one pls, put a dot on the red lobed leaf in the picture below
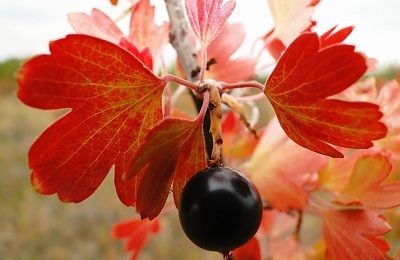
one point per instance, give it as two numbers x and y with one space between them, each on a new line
299 86
367 186
173 151
136 233
114 99
208 17
354 234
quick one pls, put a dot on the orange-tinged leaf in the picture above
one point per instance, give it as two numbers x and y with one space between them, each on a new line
291 18
317 251
239 143
336 174
115 100
173 151
298 90
136 233
275 223
286 248
389 101
354 234
281 192
143 32
367 187
282 180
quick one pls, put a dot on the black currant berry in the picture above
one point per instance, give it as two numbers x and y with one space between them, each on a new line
220 209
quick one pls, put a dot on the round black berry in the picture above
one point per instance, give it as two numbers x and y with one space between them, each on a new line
220 209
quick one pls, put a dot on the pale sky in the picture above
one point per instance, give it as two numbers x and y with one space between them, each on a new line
26 27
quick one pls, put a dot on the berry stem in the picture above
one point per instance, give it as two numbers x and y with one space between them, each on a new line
215 126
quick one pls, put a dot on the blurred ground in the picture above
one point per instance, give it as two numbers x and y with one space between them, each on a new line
34 226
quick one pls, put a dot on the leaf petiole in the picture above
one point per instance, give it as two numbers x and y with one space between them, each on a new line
173 78
242 84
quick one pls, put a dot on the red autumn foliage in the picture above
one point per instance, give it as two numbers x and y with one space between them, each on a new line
116 118
172 152
136 233
299 87
354 234
105 127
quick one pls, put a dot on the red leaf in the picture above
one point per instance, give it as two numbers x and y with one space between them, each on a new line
249 251
114 100
353 234
144 55
173 151
226 68
299 85
208 17
143 32
366 187
96 24
330 38
136 233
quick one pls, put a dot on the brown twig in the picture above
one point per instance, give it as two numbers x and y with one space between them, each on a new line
180 40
